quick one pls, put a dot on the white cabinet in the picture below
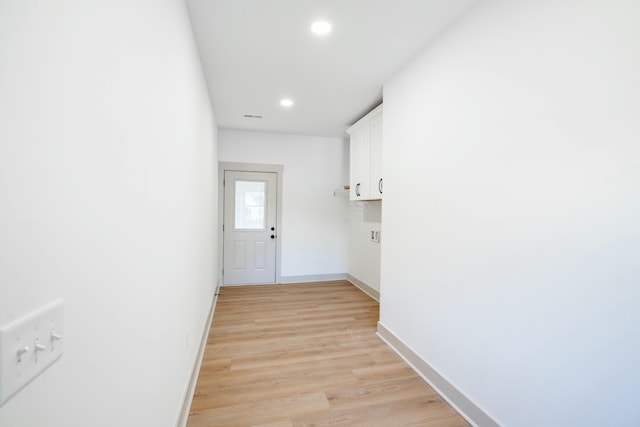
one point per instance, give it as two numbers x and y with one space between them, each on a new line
365 150
375 173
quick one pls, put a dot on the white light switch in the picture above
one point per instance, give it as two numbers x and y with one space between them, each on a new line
28 346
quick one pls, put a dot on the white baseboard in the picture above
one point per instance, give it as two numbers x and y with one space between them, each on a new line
373 293
183 415
313 278
458 400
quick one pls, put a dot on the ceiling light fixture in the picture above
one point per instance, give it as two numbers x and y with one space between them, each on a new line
321 28
286 102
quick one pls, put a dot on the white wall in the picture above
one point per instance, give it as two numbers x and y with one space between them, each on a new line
364 255
511 256
108 200
314 230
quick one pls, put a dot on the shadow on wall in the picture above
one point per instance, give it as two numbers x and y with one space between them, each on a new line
372 212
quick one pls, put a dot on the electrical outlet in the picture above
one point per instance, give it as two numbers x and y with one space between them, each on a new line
28 346
375 236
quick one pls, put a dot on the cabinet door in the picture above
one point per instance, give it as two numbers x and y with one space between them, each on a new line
359 152
376 158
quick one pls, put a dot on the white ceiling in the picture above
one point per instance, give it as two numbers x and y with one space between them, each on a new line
256 52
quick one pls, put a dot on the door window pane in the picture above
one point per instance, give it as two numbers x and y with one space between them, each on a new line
250 205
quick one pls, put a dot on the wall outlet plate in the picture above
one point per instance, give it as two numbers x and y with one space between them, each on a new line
28 346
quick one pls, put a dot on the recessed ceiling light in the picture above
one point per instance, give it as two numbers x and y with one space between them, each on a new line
286 102
321 28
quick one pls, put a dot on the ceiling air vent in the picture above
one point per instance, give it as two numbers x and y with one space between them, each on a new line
252 116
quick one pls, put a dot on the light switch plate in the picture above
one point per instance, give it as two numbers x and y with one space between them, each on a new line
28 346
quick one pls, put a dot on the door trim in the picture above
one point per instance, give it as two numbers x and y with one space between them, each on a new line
249 167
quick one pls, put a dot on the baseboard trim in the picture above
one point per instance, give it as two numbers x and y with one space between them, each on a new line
191 387
312 278
458 400
373 293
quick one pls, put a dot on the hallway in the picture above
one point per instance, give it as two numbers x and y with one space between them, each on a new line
307 354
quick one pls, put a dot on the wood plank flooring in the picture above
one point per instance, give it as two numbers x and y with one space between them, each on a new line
307 355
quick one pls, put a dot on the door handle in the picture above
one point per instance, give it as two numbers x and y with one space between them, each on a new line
273 236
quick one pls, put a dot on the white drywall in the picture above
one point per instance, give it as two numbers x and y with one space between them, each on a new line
314 230
511 255
364 255
108 191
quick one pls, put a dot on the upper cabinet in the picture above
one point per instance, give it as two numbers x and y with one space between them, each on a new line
365 175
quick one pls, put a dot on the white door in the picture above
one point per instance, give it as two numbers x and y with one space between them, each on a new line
359 154
249 245
375 188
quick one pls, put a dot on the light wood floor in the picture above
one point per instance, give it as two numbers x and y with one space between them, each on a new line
307 355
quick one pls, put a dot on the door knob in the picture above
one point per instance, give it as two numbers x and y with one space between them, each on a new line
273 236
273 228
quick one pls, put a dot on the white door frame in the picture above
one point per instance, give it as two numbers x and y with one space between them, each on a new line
249 167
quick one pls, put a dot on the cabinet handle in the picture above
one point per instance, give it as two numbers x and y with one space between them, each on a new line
380 186
358 189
